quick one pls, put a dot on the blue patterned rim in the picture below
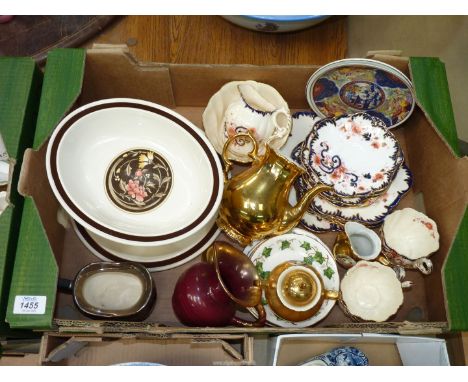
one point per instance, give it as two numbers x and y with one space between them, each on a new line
397 156
287 18
371 223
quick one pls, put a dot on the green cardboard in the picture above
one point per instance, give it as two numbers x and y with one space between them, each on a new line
35 270
432 91
455 279
20 84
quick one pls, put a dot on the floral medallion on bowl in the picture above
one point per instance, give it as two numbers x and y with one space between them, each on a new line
138 180
357 85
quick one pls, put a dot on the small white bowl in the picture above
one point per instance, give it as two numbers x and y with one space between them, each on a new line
134 172
372 291
410 233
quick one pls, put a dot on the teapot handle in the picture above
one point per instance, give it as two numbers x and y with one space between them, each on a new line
259 322
227 162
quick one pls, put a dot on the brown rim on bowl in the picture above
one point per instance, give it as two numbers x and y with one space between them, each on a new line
154 264
112 232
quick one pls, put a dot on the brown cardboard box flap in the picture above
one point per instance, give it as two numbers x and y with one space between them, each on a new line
168 350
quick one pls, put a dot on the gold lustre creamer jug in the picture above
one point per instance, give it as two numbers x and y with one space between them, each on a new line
255 202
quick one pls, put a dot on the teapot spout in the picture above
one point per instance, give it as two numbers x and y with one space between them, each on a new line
293 214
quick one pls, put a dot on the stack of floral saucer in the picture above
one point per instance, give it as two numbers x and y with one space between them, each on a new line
356 155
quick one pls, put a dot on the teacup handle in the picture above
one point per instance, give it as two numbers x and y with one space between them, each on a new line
331 294
424 265
259 322
279 130
227 162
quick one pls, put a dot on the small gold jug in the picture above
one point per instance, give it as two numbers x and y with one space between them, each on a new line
255 202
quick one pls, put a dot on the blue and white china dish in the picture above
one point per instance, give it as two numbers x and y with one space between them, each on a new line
327 214
341 356
371 215
275 23
356 155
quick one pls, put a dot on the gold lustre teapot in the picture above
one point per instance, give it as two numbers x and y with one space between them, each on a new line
255 202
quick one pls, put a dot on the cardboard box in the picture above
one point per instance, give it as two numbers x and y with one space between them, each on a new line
177 350
381 350
58 349
20 84
435 304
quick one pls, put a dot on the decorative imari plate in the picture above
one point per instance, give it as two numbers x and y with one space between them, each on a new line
356 85
356 155
301 246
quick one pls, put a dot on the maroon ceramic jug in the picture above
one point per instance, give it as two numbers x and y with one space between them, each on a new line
208 293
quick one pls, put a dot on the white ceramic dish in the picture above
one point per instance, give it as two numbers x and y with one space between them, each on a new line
276 23
356 155
302 124
154 258
372 214
260 109
302 246
372 291
146 175
411 234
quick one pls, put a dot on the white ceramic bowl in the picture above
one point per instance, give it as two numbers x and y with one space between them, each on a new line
156 258
134 172
411 233
276 24
371 291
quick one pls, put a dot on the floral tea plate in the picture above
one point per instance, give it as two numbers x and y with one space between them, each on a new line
303 122
356 85
300 246
356 155
369 215
309 180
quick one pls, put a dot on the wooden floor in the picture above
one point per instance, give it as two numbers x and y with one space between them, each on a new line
213 40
